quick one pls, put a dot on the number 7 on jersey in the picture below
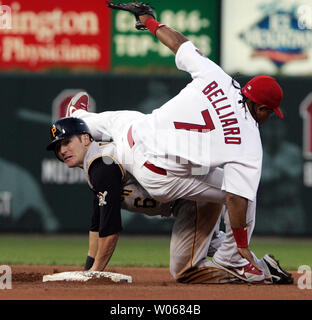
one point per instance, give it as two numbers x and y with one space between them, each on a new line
208 126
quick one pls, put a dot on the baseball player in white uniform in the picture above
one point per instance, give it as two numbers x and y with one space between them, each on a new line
195 233
174 152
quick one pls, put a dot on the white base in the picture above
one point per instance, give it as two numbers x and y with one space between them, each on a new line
85 276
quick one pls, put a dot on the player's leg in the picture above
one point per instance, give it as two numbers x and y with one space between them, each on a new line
217 238
104 126
192 231
168 187
108 125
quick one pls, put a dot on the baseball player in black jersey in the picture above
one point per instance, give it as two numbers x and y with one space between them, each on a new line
71 142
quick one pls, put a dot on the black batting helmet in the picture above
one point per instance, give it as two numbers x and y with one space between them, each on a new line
66 127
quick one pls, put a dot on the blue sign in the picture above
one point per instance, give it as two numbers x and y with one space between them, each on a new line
279 36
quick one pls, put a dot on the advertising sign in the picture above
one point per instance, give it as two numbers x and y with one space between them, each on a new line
199 22
79 35
274 37
39 35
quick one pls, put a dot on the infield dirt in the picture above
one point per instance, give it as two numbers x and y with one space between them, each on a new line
148 284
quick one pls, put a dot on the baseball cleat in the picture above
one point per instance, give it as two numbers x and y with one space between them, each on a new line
279 275
78 101
247 273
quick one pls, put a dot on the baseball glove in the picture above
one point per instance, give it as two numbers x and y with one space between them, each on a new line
136 8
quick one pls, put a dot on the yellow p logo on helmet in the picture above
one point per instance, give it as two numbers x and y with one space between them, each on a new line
53 131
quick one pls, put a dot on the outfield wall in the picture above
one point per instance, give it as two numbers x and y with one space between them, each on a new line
39 194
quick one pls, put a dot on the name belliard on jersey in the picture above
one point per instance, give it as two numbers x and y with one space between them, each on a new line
216 97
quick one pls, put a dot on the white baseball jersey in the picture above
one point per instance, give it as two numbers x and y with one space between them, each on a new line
204 125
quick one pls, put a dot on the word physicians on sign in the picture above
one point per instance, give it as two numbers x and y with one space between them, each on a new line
5 277
305 281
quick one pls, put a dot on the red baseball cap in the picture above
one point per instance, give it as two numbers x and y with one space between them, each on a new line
265 91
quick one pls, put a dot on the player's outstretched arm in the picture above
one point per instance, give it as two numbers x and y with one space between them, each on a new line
237 208
106 248
169 37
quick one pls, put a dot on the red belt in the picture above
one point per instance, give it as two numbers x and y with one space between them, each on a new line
147 164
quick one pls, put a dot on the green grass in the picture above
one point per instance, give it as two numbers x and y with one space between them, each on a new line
42 250
142 251
72 250
132 251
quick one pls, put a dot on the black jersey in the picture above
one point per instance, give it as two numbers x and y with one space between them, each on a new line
107 187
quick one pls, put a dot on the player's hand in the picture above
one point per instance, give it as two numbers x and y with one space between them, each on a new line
136 8
245 253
